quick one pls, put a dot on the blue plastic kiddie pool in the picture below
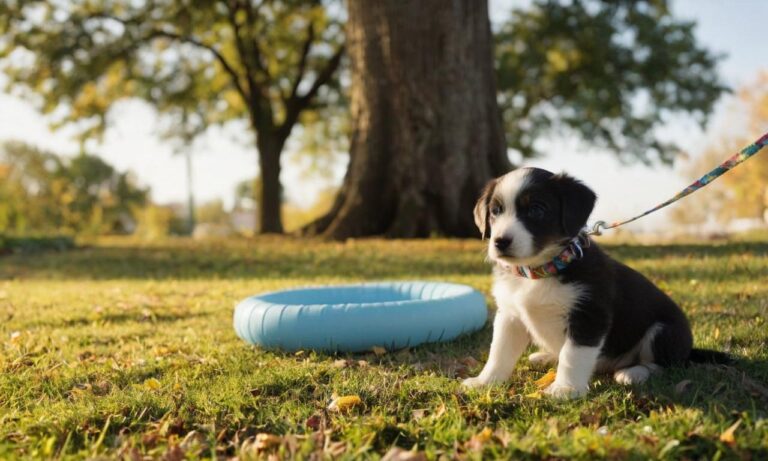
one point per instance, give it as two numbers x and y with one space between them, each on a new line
354 318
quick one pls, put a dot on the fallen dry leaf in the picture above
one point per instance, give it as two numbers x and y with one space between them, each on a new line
314 422
193 439
481 438
546 380
398 454
345 403
266 441
682 386
728 435
341 363
378 351
418 413
440 411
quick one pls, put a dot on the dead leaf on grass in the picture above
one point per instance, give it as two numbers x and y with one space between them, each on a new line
682 387
728 435
398 454
194 440
314 422
378 351
546 380
480 439
265 441
341 363
344 403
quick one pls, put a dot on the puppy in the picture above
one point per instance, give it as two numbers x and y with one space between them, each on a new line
554 287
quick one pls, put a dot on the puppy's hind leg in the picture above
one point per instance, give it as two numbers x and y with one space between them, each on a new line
542 359
672 343
637 374
663 344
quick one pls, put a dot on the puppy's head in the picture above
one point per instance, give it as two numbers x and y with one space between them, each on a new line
529 214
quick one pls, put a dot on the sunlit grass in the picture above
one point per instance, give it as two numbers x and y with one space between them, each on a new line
127 349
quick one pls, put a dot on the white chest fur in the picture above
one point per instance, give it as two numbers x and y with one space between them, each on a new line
542 305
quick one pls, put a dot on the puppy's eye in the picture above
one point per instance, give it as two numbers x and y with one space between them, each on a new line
496 209
537 211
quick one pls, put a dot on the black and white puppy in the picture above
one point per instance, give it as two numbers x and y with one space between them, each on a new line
592 315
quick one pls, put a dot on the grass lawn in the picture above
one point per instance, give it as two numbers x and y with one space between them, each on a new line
122 349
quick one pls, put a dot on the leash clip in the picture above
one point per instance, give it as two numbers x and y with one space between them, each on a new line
596 228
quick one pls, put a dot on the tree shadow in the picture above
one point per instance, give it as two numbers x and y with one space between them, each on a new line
162 317
298 259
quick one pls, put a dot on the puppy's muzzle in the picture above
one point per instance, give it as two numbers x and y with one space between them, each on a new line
502 243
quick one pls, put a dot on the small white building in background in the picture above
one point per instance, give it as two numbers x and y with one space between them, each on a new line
244 220
746 224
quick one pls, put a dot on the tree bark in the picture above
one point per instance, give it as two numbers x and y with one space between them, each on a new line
270 148
427 132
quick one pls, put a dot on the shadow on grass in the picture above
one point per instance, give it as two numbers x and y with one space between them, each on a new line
117 318
360 259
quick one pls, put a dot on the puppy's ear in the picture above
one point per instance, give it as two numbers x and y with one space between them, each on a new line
576 203
481 208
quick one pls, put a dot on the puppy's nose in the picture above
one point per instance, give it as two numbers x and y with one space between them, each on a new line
501 243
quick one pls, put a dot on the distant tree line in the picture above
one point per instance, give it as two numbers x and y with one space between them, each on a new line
436 101
44 192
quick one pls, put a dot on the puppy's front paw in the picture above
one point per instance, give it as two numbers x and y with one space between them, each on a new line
474 382
564 391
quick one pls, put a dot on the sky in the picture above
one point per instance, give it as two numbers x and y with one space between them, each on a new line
225 156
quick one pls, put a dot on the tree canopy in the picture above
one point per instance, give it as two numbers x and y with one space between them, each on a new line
743 191
204 63
609 71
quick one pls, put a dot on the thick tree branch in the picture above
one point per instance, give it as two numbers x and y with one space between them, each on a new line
323 77
261 110
296 104
216 53
154 33
303 60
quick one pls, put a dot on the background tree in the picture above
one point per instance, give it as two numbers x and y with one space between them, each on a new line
426 130
743 191
426 125
608 71
40 192
267 62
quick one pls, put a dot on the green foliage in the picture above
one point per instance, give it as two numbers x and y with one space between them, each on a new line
248 193
35 244
212 212
154 222
124 350
40 192
197 62
201 62
743 191
610 71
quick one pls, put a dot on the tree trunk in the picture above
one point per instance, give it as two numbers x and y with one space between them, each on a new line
270 148
427 131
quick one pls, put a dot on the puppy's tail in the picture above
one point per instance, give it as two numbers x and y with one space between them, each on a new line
710 356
